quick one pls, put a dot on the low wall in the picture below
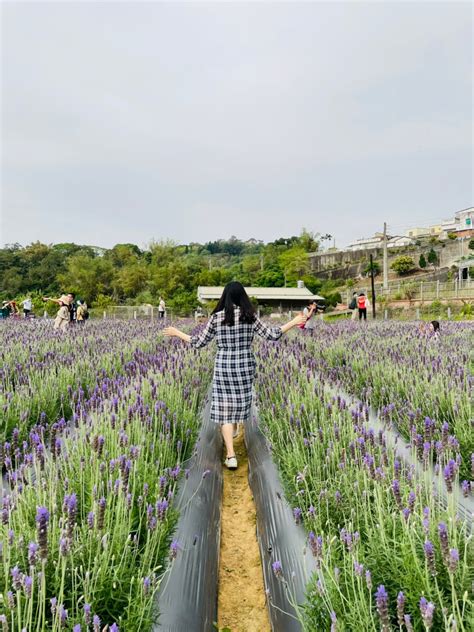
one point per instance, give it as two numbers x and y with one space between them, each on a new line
349 263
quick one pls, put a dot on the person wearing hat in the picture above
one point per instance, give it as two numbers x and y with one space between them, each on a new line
63 318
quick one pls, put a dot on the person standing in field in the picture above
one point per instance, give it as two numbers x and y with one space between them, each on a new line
82 313
27 307
308 312
353 306
71 304
161 308
63 318
233 323
362 305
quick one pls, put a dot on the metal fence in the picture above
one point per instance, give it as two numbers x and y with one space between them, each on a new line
136 312
423 290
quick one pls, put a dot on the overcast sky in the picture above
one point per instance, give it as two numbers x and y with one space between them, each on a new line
123 122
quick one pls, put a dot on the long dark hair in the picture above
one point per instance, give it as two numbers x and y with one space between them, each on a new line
234 294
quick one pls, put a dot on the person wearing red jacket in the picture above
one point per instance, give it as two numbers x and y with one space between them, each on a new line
362 305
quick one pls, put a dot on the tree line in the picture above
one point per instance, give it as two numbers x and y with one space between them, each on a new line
129 275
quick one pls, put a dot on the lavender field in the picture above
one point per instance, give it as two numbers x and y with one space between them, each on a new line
374 441
371 429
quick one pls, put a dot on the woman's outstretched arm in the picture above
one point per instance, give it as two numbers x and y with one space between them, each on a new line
173 332
273 333
198 341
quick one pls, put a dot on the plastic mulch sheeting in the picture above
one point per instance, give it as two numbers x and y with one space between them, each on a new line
187 598
279 537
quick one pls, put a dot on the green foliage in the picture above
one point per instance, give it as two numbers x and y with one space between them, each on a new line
332 298
403 265
126 274
409 291
471 244
432 257
422 261
376 267
452 236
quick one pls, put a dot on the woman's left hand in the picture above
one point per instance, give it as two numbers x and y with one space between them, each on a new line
170 332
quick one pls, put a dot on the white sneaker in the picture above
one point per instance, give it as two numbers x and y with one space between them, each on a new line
231 463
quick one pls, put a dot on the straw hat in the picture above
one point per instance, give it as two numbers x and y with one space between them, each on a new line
65 299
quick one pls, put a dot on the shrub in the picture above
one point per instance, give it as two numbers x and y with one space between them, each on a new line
403 265
432 257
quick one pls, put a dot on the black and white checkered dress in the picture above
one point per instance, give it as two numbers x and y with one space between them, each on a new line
234 368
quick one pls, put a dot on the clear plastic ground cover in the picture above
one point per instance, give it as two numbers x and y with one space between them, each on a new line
187 597
282 542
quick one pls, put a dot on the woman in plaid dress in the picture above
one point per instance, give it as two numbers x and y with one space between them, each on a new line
233 323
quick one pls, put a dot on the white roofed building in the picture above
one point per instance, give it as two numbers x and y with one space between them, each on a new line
278 297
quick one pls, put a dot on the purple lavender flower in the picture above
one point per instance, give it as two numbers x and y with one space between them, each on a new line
453 560
444 541
87 613
408 623
358 568
114 628
146 585
42 519
174 546
17 577
400 608
430 557
32 553
4 622
53 602
466 489
277 569
316 544
396 492
101 514
368 579
96 623
11 600
381 599
449 473
297 514
77 628
427 610
63 616
28 585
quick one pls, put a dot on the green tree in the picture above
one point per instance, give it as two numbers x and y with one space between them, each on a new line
376 267
88 277
471 244
422 261
403 265
295 264
131 280
309 241
433 258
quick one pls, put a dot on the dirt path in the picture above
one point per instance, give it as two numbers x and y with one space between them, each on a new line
241 602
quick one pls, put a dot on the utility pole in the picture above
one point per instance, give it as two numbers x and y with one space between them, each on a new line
372 284
385 258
